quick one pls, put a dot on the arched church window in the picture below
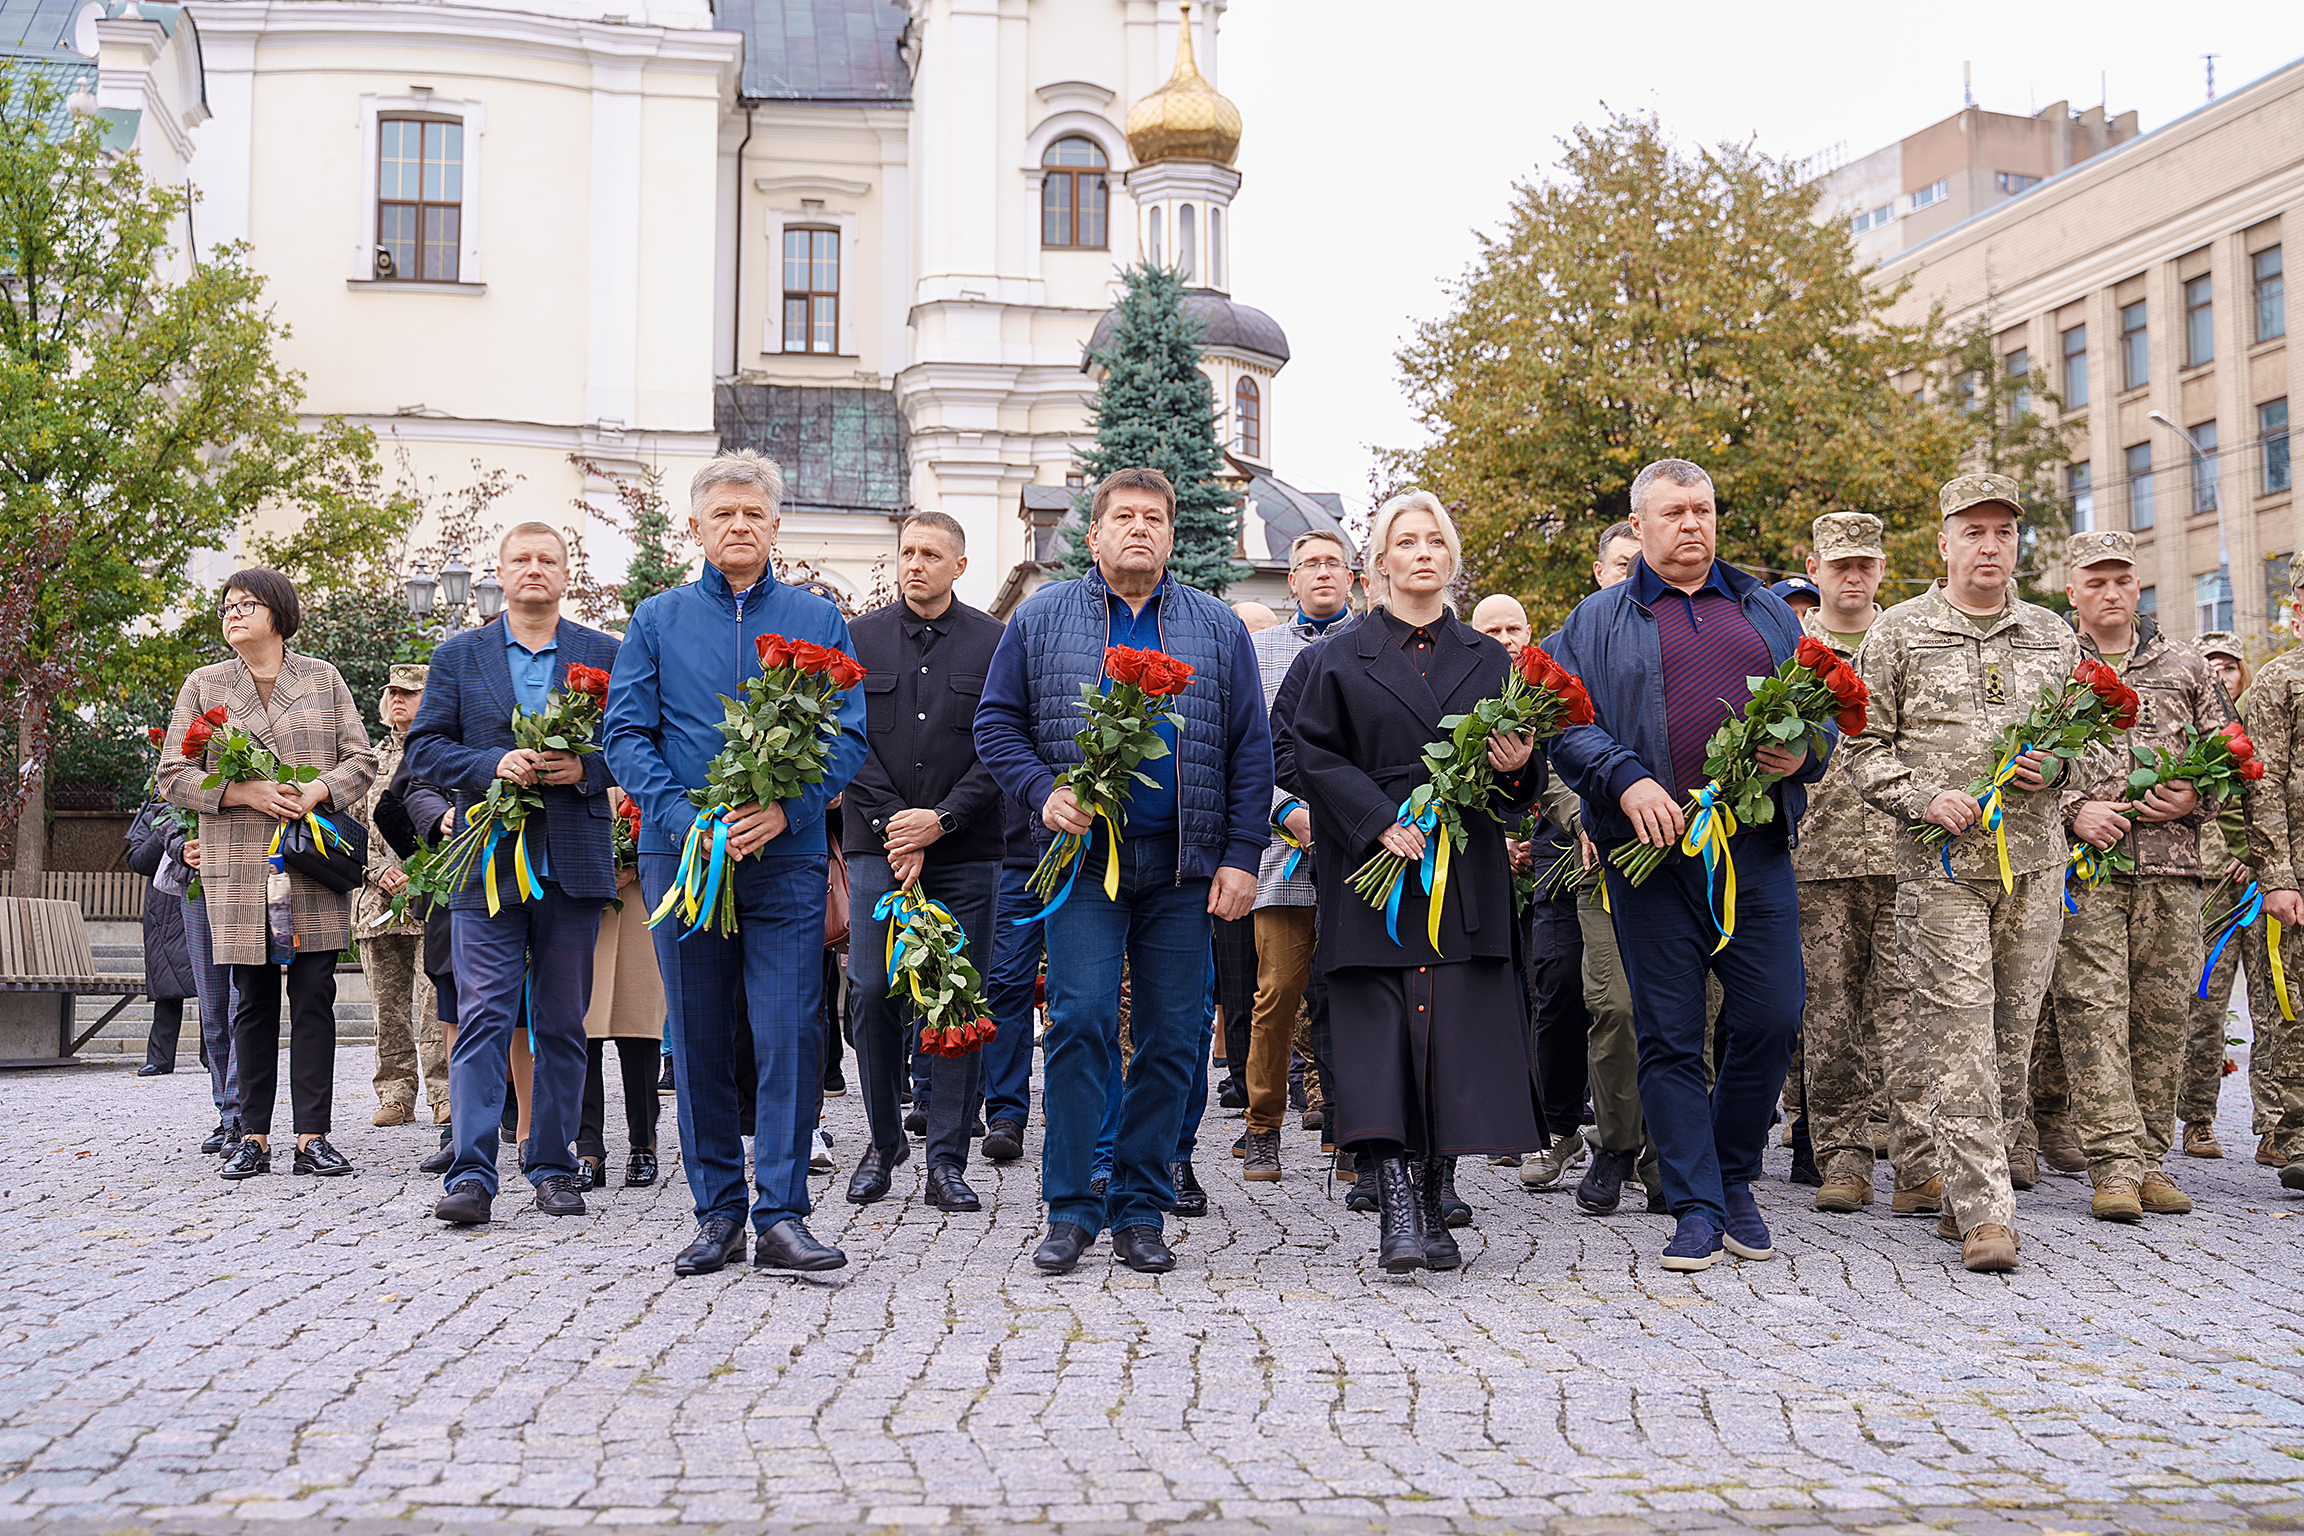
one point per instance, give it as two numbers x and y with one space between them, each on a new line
1185 265
1153 255
1247 419
1215 247
1075 196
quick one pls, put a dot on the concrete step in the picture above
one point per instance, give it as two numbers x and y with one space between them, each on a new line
119 950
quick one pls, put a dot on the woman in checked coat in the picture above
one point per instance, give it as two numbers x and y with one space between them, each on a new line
299 709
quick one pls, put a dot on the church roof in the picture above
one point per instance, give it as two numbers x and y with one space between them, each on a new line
841 450
820 50
36 44
1286 512
1224 322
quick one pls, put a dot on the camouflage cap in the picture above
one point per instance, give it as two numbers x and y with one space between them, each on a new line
2099 548
1964 491
408 677
1847 536
2221 642
2296 569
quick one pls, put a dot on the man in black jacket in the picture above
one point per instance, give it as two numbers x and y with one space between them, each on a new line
922 812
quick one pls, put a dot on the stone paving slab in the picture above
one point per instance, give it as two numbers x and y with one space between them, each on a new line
178 1354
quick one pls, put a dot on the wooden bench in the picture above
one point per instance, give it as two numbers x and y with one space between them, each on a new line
46 967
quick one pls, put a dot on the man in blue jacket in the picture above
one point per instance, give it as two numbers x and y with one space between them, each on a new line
528 963
1665 656
685 649
1190 843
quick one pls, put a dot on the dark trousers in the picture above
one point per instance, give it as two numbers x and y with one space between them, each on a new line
311 1042
1321 1034
216 1008
1561 1030
886 1028
167 1027
1709 1140
1196 1097
764 985
527 968
1011 988
1235 945
636 1062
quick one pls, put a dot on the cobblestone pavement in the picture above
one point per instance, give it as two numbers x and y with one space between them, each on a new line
178 1352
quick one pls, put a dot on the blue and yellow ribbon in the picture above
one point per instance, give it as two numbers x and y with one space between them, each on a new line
896 909
2089 865
1710 826
1071 849
1992 803
1423 822
523 878
2244 915
695 888
1280 830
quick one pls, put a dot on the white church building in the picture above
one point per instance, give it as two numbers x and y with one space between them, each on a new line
872 238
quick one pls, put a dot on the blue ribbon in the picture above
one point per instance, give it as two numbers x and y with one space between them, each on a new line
891 905
1424 823
1699 836
712 871
2243 916
1079 857
1295 848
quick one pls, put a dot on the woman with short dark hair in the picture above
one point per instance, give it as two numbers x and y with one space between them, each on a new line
298 708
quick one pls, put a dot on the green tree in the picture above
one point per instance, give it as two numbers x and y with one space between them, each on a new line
142 417
647 519
1649 303
1154 409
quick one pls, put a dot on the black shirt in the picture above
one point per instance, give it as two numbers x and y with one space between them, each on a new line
923 679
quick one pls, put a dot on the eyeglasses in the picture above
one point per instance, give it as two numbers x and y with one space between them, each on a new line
246 605
1324 567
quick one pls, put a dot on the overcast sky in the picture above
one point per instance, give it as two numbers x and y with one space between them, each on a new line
1381 136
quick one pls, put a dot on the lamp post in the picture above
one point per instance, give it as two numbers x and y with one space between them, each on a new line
2200 455
454 595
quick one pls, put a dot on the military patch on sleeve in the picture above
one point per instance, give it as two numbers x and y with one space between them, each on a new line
1995 692
2146 716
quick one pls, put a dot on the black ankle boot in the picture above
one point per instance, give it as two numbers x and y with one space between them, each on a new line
1432 1192
1804 1169
1399 1231
1454 1209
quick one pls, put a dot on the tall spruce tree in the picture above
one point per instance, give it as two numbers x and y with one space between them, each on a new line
1155 410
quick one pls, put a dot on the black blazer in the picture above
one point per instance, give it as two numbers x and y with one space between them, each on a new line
929 764
408 813
1360 731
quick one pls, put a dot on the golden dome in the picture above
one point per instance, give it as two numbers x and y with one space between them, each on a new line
1186 119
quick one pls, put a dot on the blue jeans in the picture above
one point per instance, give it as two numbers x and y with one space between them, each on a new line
1008 988
1709 1140
1196 1102
1159 926
886 1029
768 981
214 983
527 968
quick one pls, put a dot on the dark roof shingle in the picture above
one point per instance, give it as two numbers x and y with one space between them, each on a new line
818 50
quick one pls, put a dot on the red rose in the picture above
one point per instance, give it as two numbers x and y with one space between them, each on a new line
1813 654
847 671
775 651
2252 771
156 734
588 680
1165 676
215 717
197 735
1850 720
2239 748
1846 686
1575 702
1123 665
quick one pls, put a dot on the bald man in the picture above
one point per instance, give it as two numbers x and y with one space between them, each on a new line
1255 615
1500 617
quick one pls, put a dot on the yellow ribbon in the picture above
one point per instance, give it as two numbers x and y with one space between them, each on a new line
1991 804
1111 859
1439 886
2279 972
1707 837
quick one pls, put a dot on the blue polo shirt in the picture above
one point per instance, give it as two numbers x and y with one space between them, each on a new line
1151 808
532 686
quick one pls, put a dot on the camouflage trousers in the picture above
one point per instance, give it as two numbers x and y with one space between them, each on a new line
1976 960
393 965
2208 1043
1857 1011
2123 992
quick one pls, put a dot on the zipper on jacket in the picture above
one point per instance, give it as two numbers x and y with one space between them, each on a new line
1160 628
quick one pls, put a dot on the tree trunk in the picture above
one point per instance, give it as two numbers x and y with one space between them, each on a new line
32 819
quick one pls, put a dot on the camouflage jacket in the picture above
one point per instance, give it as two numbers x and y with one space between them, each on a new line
2275 803
370 902
1841 838
2175 689
1941 695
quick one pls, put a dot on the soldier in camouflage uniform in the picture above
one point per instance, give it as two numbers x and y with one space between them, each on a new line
2275 807
1948 671
2125 968
392 953
1846 867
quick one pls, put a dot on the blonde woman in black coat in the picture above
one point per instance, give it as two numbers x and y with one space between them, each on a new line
1430 1043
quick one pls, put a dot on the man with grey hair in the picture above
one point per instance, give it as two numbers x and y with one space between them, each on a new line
684 651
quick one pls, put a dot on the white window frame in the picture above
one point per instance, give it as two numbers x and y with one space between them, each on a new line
1932 194
473 115
848 224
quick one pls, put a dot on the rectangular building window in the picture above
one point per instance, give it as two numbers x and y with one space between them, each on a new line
2135 347
2148 601
2013 182
2212 601
2139 466
1874 219
2079 487
1930 195
419 199
2199 322
2075 367
2271 295
2272 432
812 290
2204 470
2018 366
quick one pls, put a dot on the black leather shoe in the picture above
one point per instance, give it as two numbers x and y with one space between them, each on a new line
1232 1095
558 1196
790 1245
1432 1191
1191 1199
467 1205
1657 1204
1060 1250
916 1124
641 1171
151 1070
318 1157
589 1174
1400 1226
719 1242
948 1191
1004 1143
247 1161
1097 1186
1315 1120
440 1161
1601 1189
664 1083
1455 1211
1363 1196
218 1139
1142 1250
870 1180
507 1135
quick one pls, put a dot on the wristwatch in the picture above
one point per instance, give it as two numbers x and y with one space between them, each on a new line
949 822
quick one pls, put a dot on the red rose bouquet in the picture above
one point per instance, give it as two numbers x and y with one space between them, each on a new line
927 960
1122 731
564 724
2090 706
779 737
624 834
2216 763
1789 705
202 731
1540 699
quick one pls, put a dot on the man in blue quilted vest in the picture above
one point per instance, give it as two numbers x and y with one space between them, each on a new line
1189 845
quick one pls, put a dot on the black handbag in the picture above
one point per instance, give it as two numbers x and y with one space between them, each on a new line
340 864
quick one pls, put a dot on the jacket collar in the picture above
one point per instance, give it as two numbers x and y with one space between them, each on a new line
1937 606
1812 623
2148 641
1648 588
715 583
1455 657
1103 588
